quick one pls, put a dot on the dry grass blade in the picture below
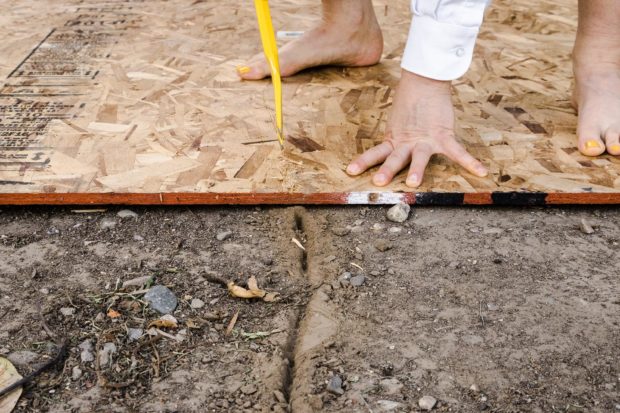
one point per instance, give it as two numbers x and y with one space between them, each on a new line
232 323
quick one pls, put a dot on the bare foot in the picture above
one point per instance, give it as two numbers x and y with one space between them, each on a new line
596 64
421 124
348 35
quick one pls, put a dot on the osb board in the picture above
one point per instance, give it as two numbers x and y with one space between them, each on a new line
138 102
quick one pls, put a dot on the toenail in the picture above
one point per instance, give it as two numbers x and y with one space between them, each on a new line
243 69
615 148
592 144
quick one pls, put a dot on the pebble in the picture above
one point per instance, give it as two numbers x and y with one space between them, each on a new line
357 281
585 227
23 358
474 388
249 389
87 351
134 333
127 213
67 311
223 235
335 385
375 273
137 237
161 299
382 245
44 290
197 303
377 227
138 282
340 231
279 396
76 373
427 402
106 353
391 386
395 230
389 405
108 223
492 307
399 212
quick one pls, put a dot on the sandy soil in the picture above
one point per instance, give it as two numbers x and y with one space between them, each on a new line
498 310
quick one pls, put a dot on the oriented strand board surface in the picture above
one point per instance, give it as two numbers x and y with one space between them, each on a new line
138 102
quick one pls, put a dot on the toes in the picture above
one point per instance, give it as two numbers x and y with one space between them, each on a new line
612 141
253 71
590 142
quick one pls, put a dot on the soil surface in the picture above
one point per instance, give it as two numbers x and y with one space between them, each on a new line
499 310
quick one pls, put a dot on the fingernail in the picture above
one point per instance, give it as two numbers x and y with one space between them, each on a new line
242 70
481 170
413 180
353 169
615 148
592 144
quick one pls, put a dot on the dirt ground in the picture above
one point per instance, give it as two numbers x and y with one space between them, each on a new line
499 310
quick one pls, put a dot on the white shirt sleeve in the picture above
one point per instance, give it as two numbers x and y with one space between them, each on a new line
442 37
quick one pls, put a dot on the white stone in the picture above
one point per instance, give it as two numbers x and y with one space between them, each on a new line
399 212
427 402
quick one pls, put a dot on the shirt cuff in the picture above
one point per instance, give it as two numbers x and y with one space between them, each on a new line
440 51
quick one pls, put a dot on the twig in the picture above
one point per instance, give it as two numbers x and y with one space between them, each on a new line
232 323
59 356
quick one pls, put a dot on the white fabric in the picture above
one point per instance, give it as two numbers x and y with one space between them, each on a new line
442 37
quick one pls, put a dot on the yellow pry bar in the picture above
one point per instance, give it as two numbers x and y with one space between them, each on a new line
270 48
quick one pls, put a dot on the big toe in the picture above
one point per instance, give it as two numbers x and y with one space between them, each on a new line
590 142
253 71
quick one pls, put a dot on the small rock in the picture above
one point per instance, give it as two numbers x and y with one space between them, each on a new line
137 237
138 282
377 227
108 223
357 281
249 389
618 406
134 334
87 351
391 386
223 235
585 227
67 311
23 358
427 403
335 385
382 245
341 231
106 353
279 396
76 373
197 303
161 299
399 212
389 405
44 291
492 307
474 388
329 259
127 213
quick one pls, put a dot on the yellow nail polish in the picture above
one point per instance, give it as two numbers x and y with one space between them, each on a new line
243 69
592 144
615 148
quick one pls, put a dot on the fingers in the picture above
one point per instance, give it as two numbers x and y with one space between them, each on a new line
612 141
398 159
421 155
458 154
370 158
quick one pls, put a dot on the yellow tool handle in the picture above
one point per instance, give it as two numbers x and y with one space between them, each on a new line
270 48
